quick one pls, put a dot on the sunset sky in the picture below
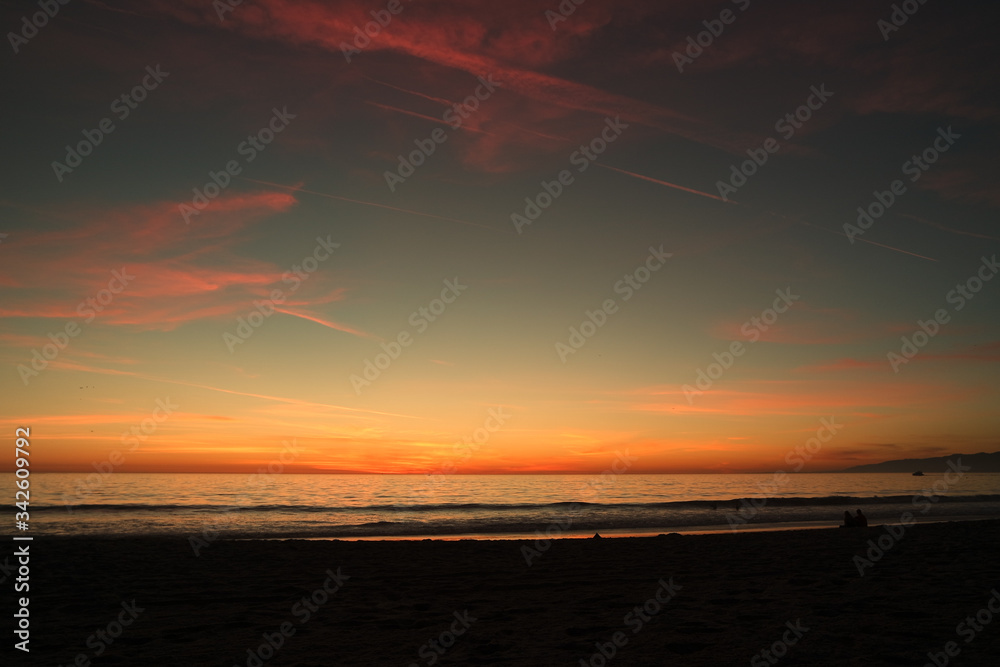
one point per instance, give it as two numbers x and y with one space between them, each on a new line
266 91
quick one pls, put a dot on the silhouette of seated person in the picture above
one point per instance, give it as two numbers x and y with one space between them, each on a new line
849 521
860 520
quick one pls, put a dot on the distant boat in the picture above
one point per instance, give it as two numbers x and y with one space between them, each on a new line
918 474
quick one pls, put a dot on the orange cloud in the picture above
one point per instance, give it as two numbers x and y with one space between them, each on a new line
804 397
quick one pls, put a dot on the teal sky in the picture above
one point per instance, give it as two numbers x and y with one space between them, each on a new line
558 85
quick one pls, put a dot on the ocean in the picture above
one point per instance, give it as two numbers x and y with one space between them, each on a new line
262 505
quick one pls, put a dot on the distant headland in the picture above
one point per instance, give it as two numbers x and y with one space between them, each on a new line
981 462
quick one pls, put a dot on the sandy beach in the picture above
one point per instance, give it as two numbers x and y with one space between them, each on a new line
719 599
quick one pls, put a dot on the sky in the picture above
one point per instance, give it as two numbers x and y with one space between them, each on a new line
480 237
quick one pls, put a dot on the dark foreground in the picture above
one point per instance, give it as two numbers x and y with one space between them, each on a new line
692 600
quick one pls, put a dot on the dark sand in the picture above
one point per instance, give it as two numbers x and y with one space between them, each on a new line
736 593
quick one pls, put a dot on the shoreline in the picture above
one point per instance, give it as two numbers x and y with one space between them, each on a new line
535 602
336 534
615 533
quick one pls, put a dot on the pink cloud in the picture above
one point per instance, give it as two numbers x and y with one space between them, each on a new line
846 364
490 43
175 272
987 352
803 324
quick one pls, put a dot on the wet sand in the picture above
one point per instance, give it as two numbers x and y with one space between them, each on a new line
717 599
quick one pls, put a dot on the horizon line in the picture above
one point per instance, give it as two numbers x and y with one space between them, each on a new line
471 474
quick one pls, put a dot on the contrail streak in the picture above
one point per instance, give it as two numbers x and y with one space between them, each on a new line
326 323
267 397
881 245
407 112
669 185
440 121
938 225
368 203
705 194
440 100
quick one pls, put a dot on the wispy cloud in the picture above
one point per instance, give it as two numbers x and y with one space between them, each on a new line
175 273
